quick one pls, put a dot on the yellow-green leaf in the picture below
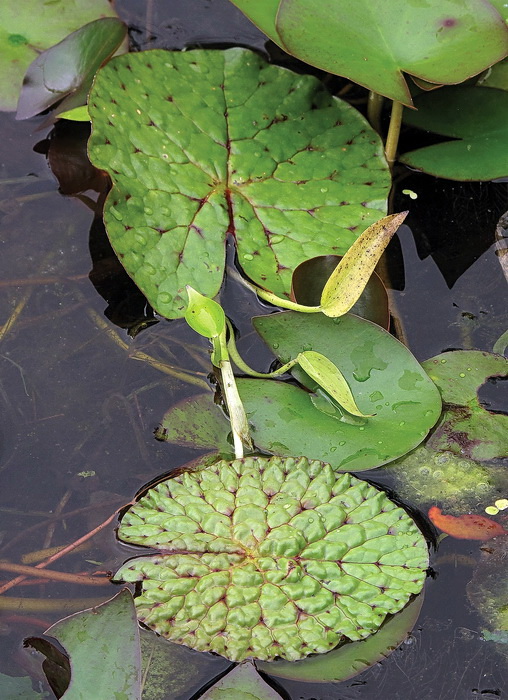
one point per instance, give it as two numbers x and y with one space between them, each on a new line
204 315
330 378
348 280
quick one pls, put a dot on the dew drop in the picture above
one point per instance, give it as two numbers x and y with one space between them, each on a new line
148 211
165 298
333 449
443 362
324 189
402 422
275 346
248 256
139 238
342 443
276 239
462 375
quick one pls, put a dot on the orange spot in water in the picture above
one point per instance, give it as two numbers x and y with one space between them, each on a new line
466 527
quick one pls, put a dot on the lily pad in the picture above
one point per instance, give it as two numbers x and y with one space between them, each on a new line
350 658
384 377
32 26
65 71
103 645
373 43
425 476
242 683
465 427
202 143
265 557
476 118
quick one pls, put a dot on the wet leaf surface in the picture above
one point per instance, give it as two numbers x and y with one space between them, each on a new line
469 526
351 658
30 27
475 118
65 71
465 427
269 557
242 683
202 143
103 646
373 44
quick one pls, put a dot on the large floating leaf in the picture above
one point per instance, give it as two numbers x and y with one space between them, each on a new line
373 42
476 118
104 650
350 658
200 143
269 557
384 377
466 428
31 26
67 69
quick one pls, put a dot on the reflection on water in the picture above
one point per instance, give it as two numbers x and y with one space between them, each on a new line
80 398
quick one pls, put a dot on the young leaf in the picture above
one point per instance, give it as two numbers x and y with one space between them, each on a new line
348 280
204 315
327 375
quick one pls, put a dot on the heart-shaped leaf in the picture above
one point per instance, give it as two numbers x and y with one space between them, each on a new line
267 557
104 650
465 427
476 118
66 70
201 143
372 43
31 26
384 378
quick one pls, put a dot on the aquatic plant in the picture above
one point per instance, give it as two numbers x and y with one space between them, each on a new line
267 557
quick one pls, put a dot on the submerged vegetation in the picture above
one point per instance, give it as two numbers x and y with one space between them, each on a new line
268 548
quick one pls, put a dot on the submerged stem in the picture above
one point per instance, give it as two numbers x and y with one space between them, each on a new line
392 139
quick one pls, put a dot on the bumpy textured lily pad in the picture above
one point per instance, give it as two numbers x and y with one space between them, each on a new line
201 143
351 658
373 42
269 557
465 427
29 27
475 117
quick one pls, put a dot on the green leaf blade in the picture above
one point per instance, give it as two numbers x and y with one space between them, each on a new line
331 379
206 142
347 282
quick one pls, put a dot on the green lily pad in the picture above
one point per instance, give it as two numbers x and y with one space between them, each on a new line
383 375
476 118
103 645
265 557
19 688
242 683
350 658
202 143
67 69
372 43
465 427
32 26
460 485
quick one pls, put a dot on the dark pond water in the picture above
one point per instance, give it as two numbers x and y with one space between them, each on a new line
79 409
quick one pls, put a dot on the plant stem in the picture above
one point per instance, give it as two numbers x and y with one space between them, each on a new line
374 106
273 298
244 367
237 415
82 579
392 139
